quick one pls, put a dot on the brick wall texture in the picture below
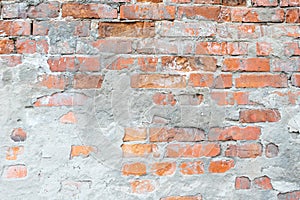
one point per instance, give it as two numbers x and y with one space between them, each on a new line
150 99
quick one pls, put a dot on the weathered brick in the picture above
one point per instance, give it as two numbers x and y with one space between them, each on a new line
230 98
164 99
132 150
201 80
118 46
286 65
199 13
293 15
197 197
61 99
296 80
54 81
220 166
163 168
242 183
85 81
190 99
90 11
147 11
6 46
136 169
264 3
82 151
285 3
15 172
263 48
62 63
292 49
293 195
192 151
30 46
176 134
88 63
44 10
280 30
158 46
15 28
12 153
147 64
192 168
248 64
251 150
211 48
10 60
142 186
68 118
18 135
134 134
262 115
119 63
14 10
257 15
234 133
261 80
127 29
223 81
263 182
272 150
157 81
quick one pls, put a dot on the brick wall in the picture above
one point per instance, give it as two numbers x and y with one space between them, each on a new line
150 99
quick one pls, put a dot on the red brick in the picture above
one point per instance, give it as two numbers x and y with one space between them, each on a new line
135 134
256 15
10 60
15 171
223 81
201 80
61 99
285 3
142 186
197 197
136 169
164 99
62 64
82 151
296 80
292 49
237 48
264 3
120 63
230 98
246 31
263 48
193 151
157 81
163 168
186 64
234 133
251 150
85 81
176 134
140 150
211 48
14 10
220 166
54 81
199 13
44 10
233 3
90 11
6 46
148 64
272 150
151 1
68 118
293 195
18 135
247 64
147 11
263 115
242 183
261 80
263 182
127 29
15 28
293 15
12 153
208 1
29 46
192 168
88 63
